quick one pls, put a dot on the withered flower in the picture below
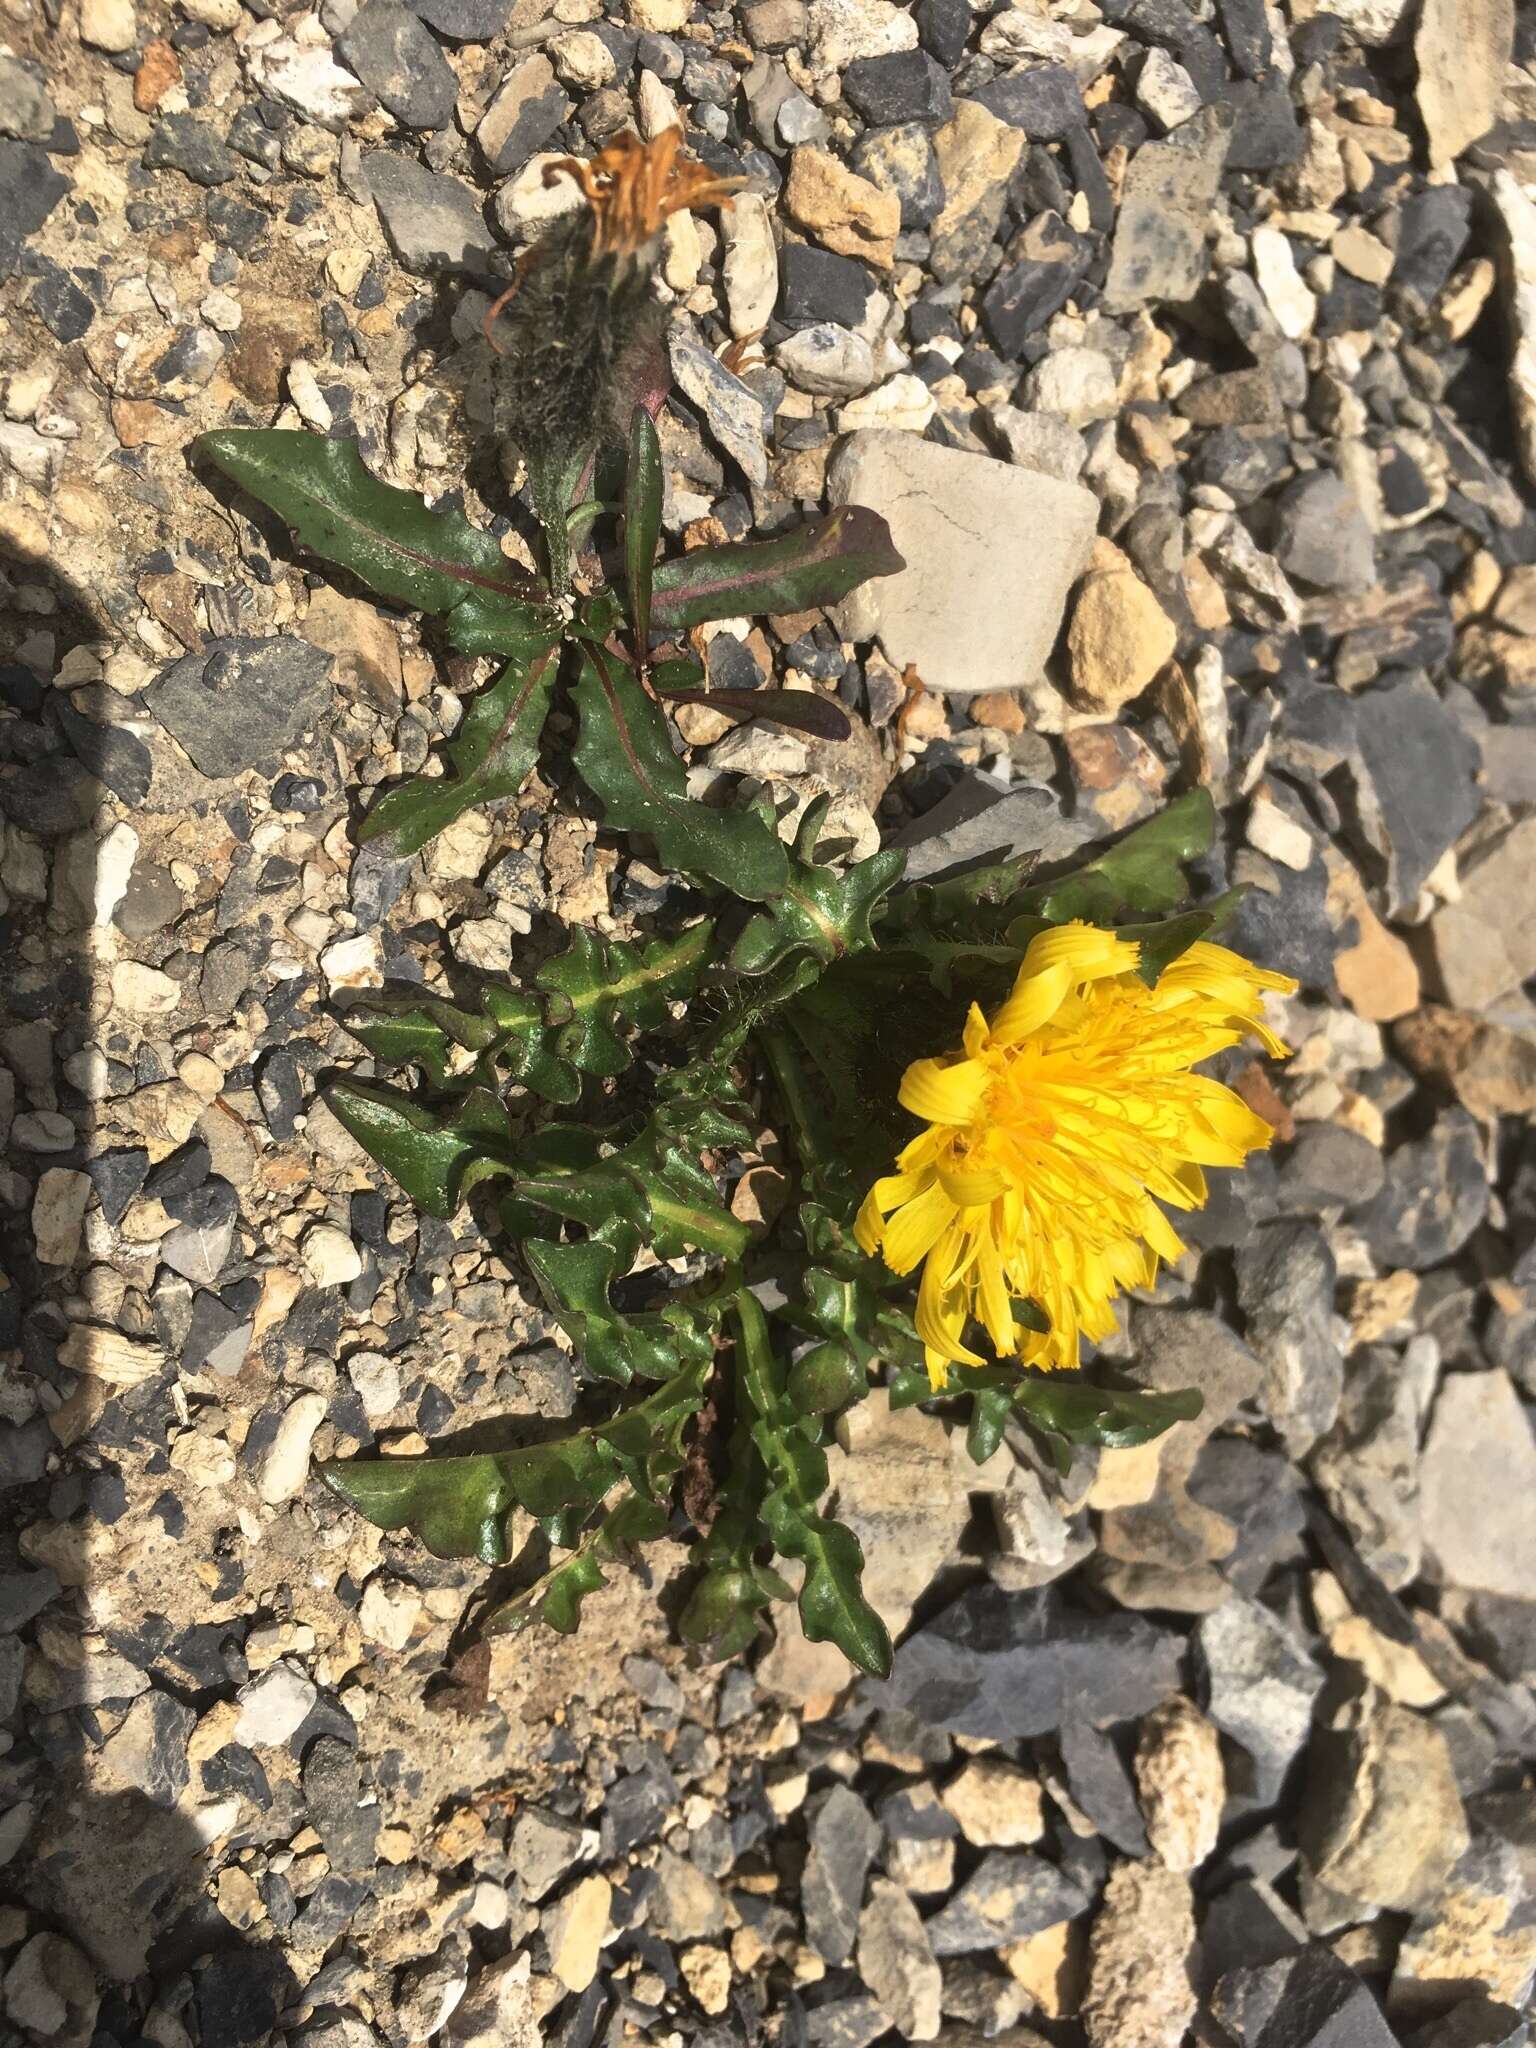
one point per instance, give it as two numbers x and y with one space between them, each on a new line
578 332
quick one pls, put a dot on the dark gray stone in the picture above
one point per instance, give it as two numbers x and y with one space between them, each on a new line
815 285
1010 1895
1478 2022
1046 101
464 21
30 188
1101 1785
183 143
1000 1665
1261 1683
976 822
1246 33
433 223
333 1791
1415 791
113 754
1433 230
1310 2000
1285 1287
1328 1167
117 1177
1051 259
244 701
24 1594
401 64
904 86
1435 1196
1322 536
902 160
843 1840
943 28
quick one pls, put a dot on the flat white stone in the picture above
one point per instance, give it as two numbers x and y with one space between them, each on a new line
991 552
1476 1484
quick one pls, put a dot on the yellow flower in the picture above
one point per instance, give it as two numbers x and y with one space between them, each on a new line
1053 1138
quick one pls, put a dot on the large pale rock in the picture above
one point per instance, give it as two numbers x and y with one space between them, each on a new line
991 553
1518 214
1139 1989
1477 1481
845 212
1484 945
751 263
1382 1822
1119 637
1462 49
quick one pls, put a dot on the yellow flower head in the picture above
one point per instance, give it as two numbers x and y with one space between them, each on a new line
1054 1136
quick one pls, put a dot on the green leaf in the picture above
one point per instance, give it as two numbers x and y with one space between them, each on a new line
488 757
832 1604
556 1598
815 565
433 561
406 1024
642 523
575 1280
555 479
458 1507
959 907
1115 1418
825 1379
1143 871
437 1156
624 755
599 984
819 911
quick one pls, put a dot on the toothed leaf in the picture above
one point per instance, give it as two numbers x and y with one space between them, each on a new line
624 755
488 757
434 561
815 565
436 1155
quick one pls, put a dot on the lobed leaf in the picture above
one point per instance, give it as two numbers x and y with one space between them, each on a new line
815 565
624 755
599 984
576 1281
488 757
819 911
436 1155
434 561
556 1598
1143 871
458 1506
832 1604
405 1024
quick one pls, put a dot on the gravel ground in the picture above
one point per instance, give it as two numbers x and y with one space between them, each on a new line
1191 350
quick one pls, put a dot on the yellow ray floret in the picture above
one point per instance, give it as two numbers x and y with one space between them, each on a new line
1055 1136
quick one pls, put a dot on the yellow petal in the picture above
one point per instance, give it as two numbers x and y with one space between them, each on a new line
916 1228
942 1093
972 1187
1037 996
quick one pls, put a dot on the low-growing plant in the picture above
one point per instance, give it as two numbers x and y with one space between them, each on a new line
988 1077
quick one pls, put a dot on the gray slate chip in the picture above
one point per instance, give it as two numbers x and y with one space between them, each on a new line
1435 1196
432 222
30 188
1009 1896
1417 795
244 701
1000 1665
399 61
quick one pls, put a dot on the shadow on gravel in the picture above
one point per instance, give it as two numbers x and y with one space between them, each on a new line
92 1841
